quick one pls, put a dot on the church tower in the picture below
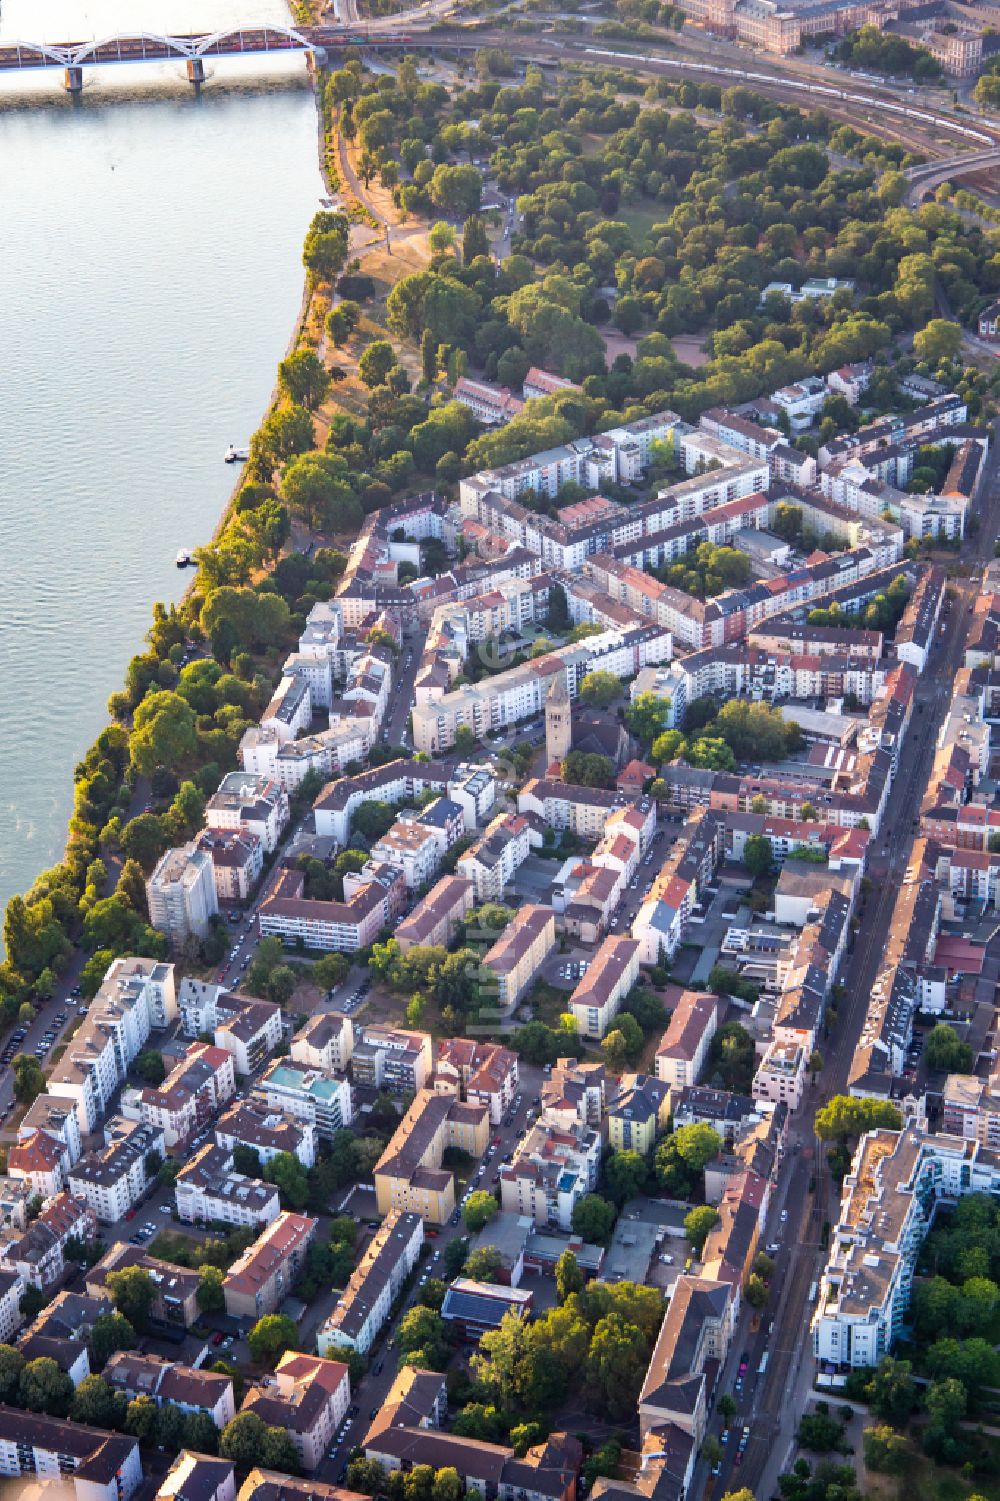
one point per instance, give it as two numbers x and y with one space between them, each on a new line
558 721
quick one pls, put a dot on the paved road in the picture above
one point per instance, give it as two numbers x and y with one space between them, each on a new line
370 1393
775 1416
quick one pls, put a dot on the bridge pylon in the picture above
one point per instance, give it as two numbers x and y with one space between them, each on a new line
73 79
196 71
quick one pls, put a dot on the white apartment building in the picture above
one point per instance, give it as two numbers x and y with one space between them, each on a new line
246 1029
89 1463
190 1095
268 1132
684 1046
209 1189
491 862
781 1074
12 1290
320 1099
115 1179
802 401
288 762
253 803
135 996
552 1170
237 858
325 1043
181 893
896 1182
48 1143
290 710
374 1285
410 847
612 973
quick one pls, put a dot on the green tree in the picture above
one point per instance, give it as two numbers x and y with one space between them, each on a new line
885 1449
270 1337
893 1394
569 1278
844 1118
944 1050
698 1224
625 1174
376 362
757 856
11 1366
95 1403
697 1145
484 1264
141 1418
133 1292
304 378
43 1387
593 1218
600 689
342 320
210 1296
480 1208
938 340
110 1332
325 249
163 733
288 1175
150 1067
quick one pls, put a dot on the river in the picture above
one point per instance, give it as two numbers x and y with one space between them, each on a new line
150 266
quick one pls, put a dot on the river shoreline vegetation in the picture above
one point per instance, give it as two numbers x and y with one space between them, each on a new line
644 213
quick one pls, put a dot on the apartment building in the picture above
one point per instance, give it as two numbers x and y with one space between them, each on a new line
574 1094
638 1112
411 848
491 405
135 996
237 858
267 1131
245 1028
199 1477
364 1306
12 1290
483 1073
209 1190
91 1463
250 804
37 1253
391 1058
409 1175
890 1196
38 1161
781 1073
697 1329
552 1169
585 811
436 917
396 782
163 1381
319 1099
176 1300
373 900
970 1108
684 1046
61 1332
263 1277
540 382
308 1398
516 958
191 1095
116 1178
610 977
181 894
324 1043
489 865
48 1144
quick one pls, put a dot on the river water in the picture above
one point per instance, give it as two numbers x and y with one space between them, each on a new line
150 277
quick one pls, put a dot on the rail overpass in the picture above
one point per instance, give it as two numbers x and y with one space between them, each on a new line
931 175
